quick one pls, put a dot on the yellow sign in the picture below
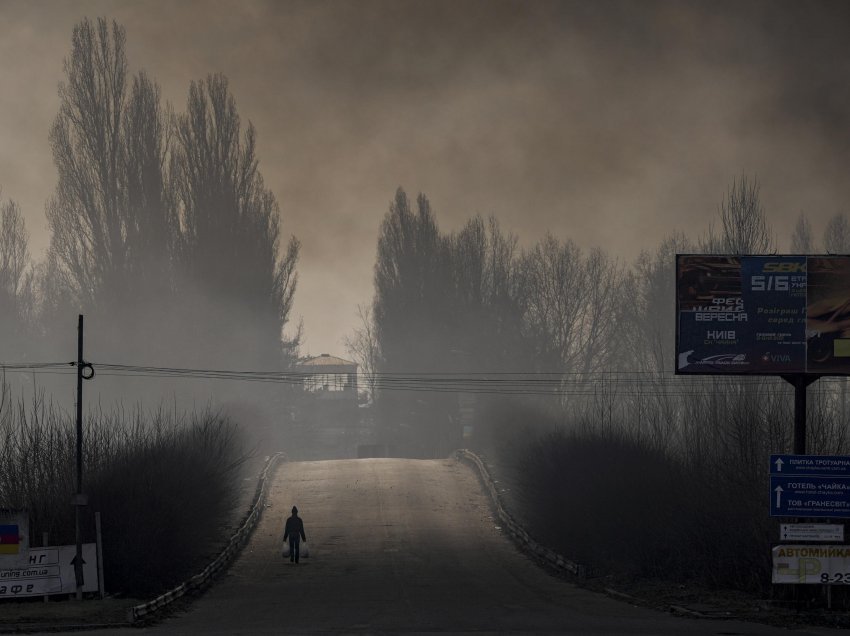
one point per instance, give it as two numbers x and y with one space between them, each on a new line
841 348
811 564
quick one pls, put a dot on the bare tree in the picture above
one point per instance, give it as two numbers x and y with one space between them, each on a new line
486 323
743 222
652 321
87 213
505 299
363 346
151 223
802 241
555 293
111 222
111 216
600 333
836 235
410 287
573 309
16 281
14 250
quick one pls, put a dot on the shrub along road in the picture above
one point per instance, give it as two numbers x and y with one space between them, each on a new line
403 546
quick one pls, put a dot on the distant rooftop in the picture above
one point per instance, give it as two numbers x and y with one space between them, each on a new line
326 360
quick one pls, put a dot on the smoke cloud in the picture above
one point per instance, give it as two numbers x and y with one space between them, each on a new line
610 123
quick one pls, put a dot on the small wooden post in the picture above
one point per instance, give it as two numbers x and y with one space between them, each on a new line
44 545
99 537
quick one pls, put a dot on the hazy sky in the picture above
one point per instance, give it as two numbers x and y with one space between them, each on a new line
611 123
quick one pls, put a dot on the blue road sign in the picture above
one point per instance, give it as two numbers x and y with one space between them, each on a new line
809 496
824 465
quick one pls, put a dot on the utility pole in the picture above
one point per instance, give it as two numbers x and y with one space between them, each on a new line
85 371
78 500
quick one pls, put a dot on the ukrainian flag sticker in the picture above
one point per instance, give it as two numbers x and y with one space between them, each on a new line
10 539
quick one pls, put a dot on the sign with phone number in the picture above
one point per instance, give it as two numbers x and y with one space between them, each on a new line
811 564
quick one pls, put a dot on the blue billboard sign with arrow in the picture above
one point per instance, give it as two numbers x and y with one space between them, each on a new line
833 465
810 486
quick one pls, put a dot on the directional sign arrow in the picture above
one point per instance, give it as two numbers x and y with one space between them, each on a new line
74 561
778 490
778 463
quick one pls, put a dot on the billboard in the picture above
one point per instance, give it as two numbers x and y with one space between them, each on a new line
763 315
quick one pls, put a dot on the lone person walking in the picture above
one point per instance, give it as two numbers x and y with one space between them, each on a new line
294 531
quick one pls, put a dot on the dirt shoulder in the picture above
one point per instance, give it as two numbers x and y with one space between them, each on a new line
36 615
710 604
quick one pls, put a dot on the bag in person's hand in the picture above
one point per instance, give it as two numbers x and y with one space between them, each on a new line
286 549
304 551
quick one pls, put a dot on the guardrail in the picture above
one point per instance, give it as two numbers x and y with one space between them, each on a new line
519 533
239 538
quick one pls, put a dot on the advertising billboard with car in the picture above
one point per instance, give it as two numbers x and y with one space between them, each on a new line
763 315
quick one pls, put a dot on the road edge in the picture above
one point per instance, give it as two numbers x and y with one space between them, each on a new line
145 611
519 534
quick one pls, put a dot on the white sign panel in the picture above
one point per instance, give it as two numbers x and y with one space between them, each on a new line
50 571
812 532
811 564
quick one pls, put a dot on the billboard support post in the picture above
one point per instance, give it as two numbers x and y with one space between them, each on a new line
800 382
800 386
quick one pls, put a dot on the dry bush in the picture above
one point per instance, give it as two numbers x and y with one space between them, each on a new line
608 502
164 483
669 479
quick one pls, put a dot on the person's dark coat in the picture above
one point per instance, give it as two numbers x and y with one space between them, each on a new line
294 527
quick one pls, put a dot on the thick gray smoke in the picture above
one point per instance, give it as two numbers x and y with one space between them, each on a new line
609 123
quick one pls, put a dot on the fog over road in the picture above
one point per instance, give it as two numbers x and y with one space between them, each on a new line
403 546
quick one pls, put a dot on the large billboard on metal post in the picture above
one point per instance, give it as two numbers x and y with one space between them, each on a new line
762 315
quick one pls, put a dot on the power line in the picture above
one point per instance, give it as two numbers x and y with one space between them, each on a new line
39 368
645 384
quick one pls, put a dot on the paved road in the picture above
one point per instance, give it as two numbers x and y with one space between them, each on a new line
403 546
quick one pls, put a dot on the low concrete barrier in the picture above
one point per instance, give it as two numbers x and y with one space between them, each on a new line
239 538
517 531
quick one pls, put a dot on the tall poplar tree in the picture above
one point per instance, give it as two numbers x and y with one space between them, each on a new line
111 223
241 287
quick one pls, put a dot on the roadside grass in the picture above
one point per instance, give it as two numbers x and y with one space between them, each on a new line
164 482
